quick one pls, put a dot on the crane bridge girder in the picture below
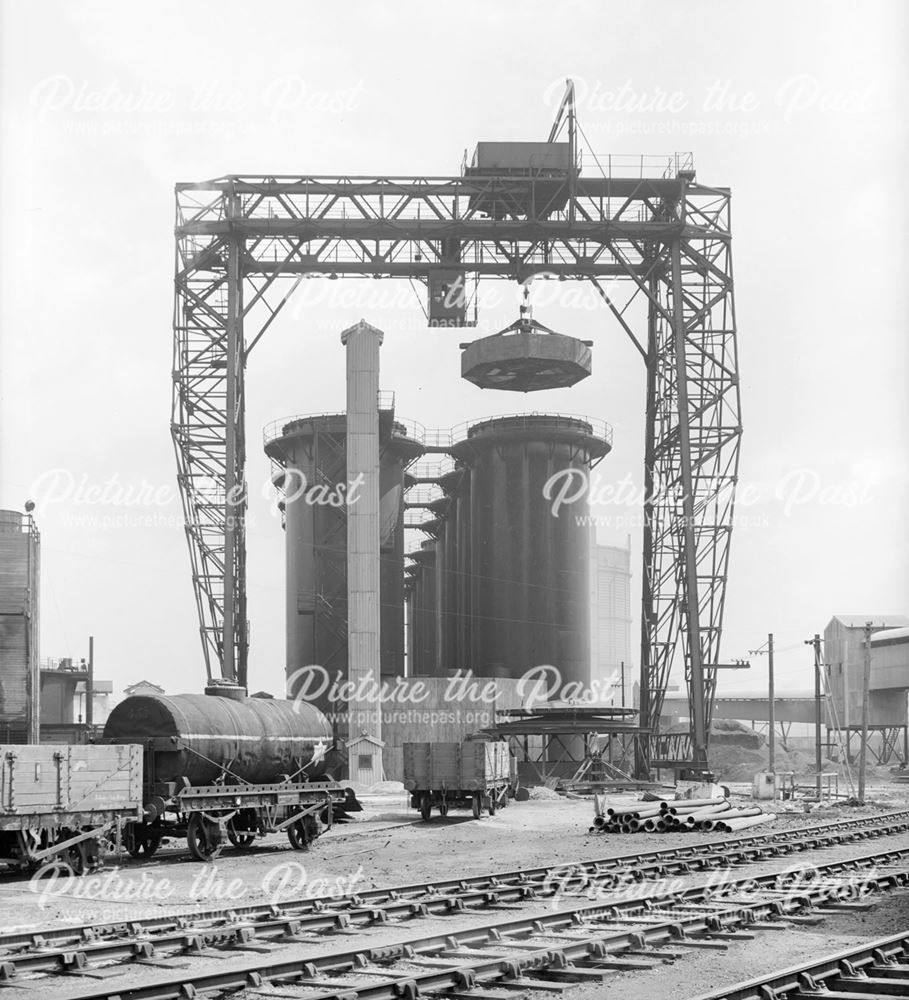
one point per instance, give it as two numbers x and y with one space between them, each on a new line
244 243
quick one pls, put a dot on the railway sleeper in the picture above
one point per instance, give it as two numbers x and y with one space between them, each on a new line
890 970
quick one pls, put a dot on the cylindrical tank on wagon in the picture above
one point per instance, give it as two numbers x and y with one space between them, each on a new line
255 740
530 570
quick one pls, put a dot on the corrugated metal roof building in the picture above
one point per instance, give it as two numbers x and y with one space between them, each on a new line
844 639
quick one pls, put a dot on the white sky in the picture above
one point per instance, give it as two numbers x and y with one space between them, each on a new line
106 105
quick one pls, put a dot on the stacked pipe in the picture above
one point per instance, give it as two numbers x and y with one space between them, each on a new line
678 816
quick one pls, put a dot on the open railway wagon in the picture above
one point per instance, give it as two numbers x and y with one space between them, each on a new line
229 769
59 803
475 774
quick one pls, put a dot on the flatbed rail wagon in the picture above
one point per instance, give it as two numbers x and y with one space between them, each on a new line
59 803
474 774
210 815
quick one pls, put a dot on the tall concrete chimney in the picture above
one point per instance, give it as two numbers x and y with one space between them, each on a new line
364 745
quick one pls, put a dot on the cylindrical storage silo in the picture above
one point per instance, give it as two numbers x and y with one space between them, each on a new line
440 667
311 455
409 588
463 565
530 569
453 650
398 452
445 597
425 610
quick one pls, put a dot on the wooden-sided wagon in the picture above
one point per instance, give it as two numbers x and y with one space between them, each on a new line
475 774
58 803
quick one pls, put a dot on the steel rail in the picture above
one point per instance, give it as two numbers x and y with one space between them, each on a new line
880 966
579 942
53 948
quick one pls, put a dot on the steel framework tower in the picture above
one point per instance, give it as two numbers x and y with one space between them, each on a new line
244 243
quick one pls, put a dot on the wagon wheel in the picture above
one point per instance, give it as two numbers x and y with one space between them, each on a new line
76 857
296 834
151 843
425 805
133 841
239 838
302 833
203 838
477 800
143 843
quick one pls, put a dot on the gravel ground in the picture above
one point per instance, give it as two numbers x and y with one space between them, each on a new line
388 847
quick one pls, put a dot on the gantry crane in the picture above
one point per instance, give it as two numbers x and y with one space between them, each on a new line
244 244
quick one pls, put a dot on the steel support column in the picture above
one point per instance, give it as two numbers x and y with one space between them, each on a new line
690 603
645 709
232 522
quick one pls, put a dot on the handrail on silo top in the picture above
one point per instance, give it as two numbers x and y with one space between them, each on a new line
440 437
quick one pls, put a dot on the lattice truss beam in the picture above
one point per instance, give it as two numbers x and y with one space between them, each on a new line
245 243
694 462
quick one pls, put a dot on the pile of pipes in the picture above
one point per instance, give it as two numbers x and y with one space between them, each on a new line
678 816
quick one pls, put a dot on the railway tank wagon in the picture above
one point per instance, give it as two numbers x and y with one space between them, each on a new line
224 765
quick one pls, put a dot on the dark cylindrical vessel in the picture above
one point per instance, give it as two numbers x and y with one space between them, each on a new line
453 575
255 740
463 570
530 570
391 560
425 610
311 456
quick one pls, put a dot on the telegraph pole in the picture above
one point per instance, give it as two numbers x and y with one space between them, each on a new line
866 684
772 712
816 643
90 686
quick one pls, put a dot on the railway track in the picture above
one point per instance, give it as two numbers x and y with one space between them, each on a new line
68 948
541 951
161 938
876 968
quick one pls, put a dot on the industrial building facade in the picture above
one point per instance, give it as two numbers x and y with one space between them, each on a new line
20 547
888 679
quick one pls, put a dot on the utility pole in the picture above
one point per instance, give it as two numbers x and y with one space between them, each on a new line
623 683
90 686
866 684
816 643
772 712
